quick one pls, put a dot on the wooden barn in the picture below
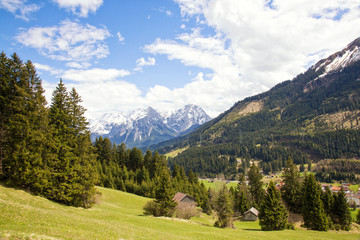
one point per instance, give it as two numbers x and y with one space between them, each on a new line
251 214
182 198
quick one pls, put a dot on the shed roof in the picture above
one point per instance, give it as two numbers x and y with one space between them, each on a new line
253 211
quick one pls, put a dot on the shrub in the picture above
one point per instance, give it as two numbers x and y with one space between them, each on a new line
186 211
152 208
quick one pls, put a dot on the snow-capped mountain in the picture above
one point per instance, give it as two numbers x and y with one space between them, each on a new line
144 127
341 59
335 62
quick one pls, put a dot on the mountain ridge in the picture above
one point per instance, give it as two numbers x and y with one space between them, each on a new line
143 127
295 118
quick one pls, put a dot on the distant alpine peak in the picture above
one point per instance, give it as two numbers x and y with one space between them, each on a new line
143 122
340 59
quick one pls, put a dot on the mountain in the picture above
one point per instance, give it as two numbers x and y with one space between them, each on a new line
312 117
144 127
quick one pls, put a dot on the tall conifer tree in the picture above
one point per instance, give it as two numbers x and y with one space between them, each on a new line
23 125
291 191
272 214
256 186
73 174
313 210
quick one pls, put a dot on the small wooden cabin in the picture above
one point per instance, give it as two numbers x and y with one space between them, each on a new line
251 214
182 198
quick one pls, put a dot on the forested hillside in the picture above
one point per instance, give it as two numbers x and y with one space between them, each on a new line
312 117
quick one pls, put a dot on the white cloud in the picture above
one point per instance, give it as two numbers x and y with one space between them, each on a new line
142 62
78 65
47 68
69 41
168 13
80 8
121 38
19 8
256 45
94 75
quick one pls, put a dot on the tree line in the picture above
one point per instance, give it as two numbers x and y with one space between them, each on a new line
144 174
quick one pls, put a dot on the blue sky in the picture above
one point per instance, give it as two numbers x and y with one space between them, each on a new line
129 54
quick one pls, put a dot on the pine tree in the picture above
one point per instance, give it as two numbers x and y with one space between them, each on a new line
241 196
73 175
272 214
223 208
23 126
256 186
313 210
291 191
164 195
340 213
328 200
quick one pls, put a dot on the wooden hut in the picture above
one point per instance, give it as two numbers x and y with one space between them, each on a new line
251 214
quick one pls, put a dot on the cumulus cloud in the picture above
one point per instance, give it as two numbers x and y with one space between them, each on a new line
256 45
19 8
69 41
142 62
80 8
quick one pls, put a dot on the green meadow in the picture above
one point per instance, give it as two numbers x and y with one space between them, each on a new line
119 215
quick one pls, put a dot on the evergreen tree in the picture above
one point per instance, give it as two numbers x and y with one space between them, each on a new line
313 210
164 195
256 186
328 200
223 208
23 129
73 174
291 191
241 196
272 214
340 210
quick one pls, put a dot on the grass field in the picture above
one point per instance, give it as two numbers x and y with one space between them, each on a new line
118 215
217 184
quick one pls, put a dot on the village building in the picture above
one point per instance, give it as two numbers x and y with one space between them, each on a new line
251 214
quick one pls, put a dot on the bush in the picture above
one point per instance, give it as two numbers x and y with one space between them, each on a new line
152 208
186 211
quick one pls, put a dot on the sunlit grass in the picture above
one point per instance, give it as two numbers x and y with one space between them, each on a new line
119 215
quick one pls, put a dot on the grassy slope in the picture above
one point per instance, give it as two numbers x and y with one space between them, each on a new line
119 216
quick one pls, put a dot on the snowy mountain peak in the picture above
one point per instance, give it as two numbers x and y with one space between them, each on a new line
147 126
340 59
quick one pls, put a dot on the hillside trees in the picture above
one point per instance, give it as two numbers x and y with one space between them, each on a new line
47 151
